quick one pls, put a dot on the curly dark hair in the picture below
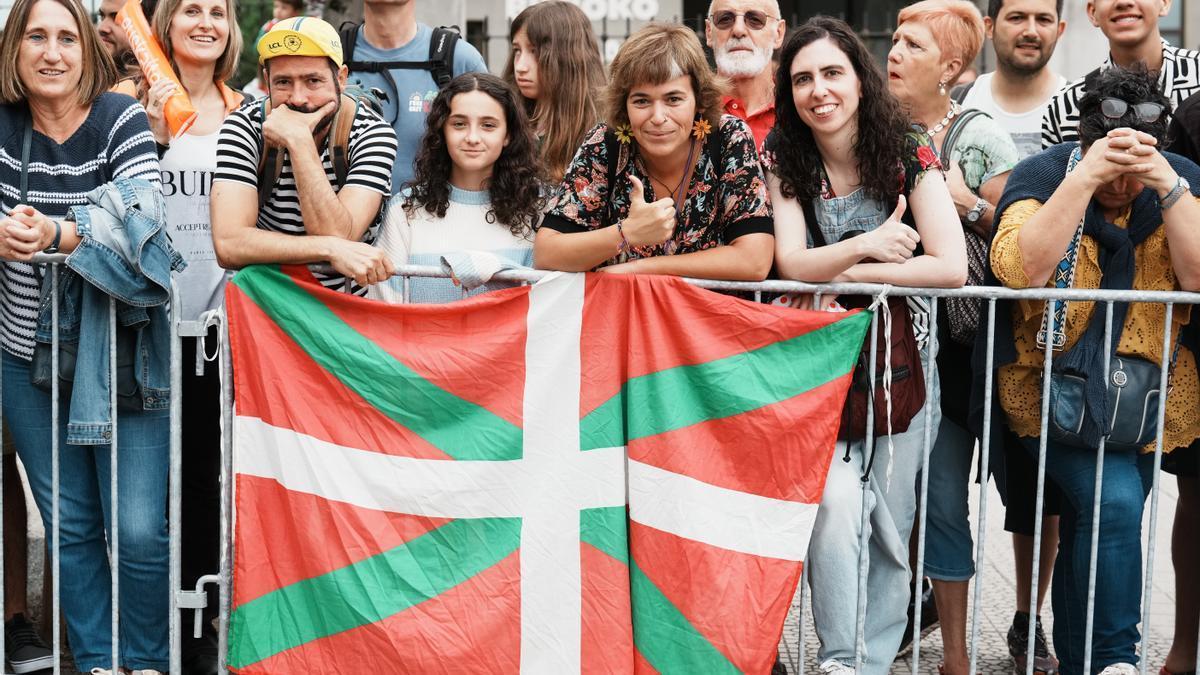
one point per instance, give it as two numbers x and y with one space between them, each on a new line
516 183
882 125
1136 84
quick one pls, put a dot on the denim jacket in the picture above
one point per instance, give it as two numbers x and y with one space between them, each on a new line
124 253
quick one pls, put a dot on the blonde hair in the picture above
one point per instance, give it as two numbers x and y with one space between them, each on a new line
570 76
658 53
97 71
227 63
957 24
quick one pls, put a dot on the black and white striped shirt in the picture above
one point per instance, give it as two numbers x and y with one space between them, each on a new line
1179 79
371 151
113 142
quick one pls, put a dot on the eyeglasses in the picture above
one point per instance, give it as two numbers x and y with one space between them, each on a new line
1147 113
755 20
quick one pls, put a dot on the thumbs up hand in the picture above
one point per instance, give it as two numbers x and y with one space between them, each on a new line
647 223
893 241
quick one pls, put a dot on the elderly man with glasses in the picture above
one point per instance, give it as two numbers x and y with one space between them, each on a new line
743 35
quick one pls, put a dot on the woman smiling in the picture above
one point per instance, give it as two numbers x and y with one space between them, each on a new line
668 185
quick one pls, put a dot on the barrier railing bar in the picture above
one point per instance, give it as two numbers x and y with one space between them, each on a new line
114 502
919 574
1040 500
175 485
799 660
1148 568
860 616
1093 560
226 556
985 446
55 519
777 286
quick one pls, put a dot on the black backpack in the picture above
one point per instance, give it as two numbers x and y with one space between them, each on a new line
440 63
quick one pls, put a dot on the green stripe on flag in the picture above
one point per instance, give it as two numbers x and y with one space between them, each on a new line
685 395
606 528
460 428
664 635
370 590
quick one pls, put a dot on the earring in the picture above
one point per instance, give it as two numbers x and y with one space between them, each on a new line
701 129
942 88
624 134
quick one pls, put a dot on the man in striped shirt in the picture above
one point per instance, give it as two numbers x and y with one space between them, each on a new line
1131 27
309 216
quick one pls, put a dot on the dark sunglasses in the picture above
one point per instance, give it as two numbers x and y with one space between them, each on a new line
1147 113
755 20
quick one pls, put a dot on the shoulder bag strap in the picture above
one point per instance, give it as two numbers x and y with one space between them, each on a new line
26 145
955 130
1054 320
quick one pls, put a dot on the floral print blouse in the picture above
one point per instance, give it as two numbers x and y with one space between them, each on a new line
723 202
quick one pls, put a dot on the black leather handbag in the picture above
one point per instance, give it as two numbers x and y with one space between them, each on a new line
1133 399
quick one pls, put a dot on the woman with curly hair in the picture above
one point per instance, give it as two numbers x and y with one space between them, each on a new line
475 187
842 154
668 185
555 65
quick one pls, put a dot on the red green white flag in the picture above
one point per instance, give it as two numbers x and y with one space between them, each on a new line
596 473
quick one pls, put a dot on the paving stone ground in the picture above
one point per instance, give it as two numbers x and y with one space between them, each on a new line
997 599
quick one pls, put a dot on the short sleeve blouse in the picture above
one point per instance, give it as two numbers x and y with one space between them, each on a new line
727 197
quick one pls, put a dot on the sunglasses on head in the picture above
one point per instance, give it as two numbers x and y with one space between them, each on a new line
1115 109
755 20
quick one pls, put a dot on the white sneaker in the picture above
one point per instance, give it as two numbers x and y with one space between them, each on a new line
101 671
147 671
835 667
1121 669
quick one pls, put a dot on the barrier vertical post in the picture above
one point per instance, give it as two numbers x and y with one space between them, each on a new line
55 519
175 498
927 413
860 616
1089 625
114 501
1040 500
1148 585
985 446
226 493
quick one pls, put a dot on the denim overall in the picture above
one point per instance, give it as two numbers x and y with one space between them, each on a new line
891 504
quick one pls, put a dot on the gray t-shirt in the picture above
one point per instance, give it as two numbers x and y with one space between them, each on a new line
406 105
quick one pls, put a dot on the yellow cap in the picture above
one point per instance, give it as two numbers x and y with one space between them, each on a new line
301 36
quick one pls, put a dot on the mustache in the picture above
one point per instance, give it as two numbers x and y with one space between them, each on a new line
303 108
1030 43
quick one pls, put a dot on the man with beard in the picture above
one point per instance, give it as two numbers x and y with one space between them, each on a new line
308 214
1024 34
113 37
743 34
1131 27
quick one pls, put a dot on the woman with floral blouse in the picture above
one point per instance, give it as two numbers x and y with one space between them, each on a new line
668 185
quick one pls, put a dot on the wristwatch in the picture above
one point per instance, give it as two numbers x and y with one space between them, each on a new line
1182 187
976 211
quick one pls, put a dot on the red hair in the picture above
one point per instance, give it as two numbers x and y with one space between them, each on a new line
957 24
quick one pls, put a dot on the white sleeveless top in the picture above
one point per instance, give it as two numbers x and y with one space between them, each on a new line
187 171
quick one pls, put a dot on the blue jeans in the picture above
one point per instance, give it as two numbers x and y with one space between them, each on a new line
948 550
833 552
1127 480
84 516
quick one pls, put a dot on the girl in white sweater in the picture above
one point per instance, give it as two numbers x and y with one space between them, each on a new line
475 187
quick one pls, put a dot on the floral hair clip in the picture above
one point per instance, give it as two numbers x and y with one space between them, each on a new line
701 129
624 133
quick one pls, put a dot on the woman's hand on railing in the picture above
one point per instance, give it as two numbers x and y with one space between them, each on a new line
25 233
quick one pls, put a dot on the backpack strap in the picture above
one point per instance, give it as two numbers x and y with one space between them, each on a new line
956 130
441 54
338 139
348 34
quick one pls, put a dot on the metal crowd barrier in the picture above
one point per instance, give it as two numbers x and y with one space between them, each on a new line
196 599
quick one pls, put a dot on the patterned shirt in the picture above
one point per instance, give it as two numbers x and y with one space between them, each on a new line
1178 79
723 202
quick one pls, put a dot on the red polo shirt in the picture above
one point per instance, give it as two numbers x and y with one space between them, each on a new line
760 122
